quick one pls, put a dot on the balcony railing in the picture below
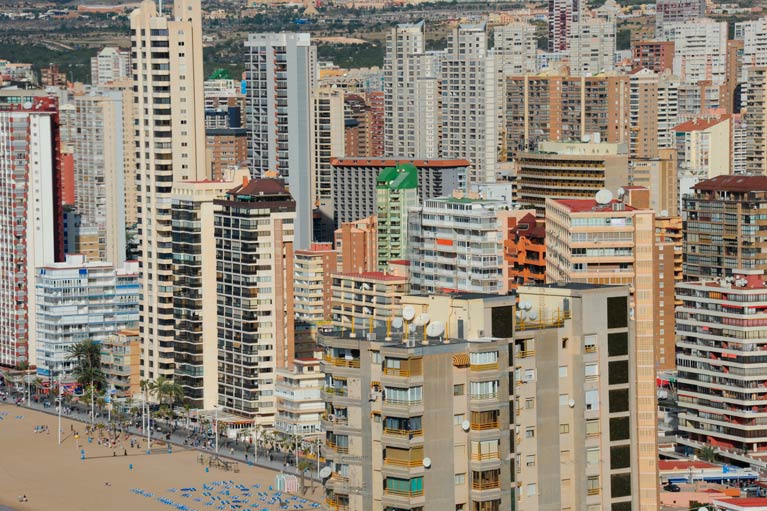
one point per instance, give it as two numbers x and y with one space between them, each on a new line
593 491
400 402
483 397
482 456
342 362
334 505
403 432
483 426
403 493
525 353
339 449
403 463
335 476
485 485
404 373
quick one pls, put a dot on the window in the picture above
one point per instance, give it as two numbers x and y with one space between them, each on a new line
592 484
530 403
617 312
529 375
619 428
592 456
460 479
590 342
531 489
376 357
620 457
621 485
530 432
458 390
592 400
483 358
484 389
530 460
563 371
592 427
458 419
564 429
617 344
591 371
619 400
564 399
618 372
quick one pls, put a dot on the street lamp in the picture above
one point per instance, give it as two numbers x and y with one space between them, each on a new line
215 426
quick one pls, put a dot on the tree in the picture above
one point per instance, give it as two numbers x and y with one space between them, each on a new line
707 453
88 368
303 466
167 391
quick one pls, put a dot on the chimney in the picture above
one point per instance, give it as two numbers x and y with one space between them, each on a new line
244 181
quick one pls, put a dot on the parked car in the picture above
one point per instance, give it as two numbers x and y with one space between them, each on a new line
672 488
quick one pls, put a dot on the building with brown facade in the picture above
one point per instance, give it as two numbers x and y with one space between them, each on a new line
654 55
524 248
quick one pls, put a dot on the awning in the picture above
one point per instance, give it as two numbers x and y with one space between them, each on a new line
461 360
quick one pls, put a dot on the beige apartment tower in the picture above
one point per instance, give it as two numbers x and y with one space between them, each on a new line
170 143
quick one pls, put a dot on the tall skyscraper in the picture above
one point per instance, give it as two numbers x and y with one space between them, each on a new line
756 121
700 50
254 230
396 193
562 15
516 47
32 218
411 94
170 147
471 92
672 11
280 74
592 41
96 119
327 142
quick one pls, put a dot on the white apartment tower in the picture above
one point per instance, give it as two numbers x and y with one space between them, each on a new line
516 47
754 36
327 142
110 65
592 41
280 74
471 90
700 50
412 94
756 122
97 143
170 146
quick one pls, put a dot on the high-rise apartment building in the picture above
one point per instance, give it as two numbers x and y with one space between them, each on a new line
226 141
562 15
396 194
720 385
194 287
524 248
254 230
170 147
516 48
668 253
613 243
327 136
312 282
700 50
660 176
412 95
753 33
32 225
716 244
110 65
569 171
472 91
755 118
592 41
77 301
364 125
673 11
96 118
357 246
354 182
362 301
704 147
653 113
556 106
446 255
299 403
657 56
121 362
280 74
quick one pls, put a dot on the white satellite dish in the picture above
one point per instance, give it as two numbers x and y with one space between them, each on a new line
520 313
533 315
426 462
571 403
621 192
325 472
525 306
396 322
367 310
27 105
435 329
412 328
421 320
408 312
466 425
604 196
365 286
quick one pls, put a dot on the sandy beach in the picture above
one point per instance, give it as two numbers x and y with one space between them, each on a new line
55 477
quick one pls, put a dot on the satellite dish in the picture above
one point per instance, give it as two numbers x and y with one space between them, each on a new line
367 310
533 315
325 472
435 329
571 403
621 192
526 306
408 312
604 196
466 425
520 313
426 462
27 105
421 320
396 322
412 329
365 286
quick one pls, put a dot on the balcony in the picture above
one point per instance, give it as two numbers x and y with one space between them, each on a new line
342 362
337 448
485 367
486 485
409 494
335 505
409 433
485 456
593 491
484 426
525 353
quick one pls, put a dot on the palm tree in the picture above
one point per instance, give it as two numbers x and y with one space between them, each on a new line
167 391
707 453
88 368
38 384
303 466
